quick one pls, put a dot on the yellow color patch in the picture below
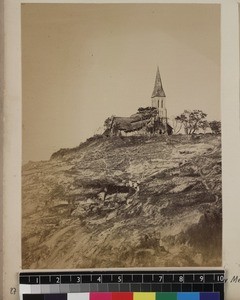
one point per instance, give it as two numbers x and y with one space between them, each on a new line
144 296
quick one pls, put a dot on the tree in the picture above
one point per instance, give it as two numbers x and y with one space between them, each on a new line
204 125
192 120
108 122
147 112
215 127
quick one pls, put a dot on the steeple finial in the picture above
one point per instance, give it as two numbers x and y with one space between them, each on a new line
158 89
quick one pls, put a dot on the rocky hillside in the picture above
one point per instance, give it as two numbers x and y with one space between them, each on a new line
125 202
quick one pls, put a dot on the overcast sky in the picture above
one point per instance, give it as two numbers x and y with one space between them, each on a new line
84 62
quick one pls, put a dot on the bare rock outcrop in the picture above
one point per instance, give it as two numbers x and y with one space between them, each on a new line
125 202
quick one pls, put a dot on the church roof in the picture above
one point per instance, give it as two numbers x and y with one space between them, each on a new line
158 89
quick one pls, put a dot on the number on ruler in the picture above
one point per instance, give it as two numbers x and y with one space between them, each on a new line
57 279
99 279
78 279
119 279
220 278
201 278
160 278
37 280
181 278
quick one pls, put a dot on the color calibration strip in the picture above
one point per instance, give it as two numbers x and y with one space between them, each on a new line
124 296
120 285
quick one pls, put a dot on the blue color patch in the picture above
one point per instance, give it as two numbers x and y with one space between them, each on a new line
210 296
188 296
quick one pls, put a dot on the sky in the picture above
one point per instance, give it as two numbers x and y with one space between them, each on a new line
82 63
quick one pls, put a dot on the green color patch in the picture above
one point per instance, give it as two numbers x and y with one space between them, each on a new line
166 296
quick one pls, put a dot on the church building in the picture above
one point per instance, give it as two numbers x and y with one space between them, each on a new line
144 121
159 102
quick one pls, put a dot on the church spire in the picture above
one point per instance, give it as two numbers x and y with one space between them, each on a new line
158 89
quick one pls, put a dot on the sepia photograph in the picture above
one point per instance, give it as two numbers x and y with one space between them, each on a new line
121 136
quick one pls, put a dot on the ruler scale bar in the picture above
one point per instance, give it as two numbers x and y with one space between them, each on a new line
203 285
146 277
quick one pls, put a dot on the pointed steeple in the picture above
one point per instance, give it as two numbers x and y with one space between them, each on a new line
158 89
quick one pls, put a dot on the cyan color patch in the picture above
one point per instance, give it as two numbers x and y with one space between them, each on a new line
188 296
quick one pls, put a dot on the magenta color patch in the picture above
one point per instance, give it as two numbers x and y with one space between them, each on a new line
100 296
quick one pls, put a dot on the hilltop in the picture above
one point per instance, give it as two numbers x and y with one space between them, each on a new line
135 201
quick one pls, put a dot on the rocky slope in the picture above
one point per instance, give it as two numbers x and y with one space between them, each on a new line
134 201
